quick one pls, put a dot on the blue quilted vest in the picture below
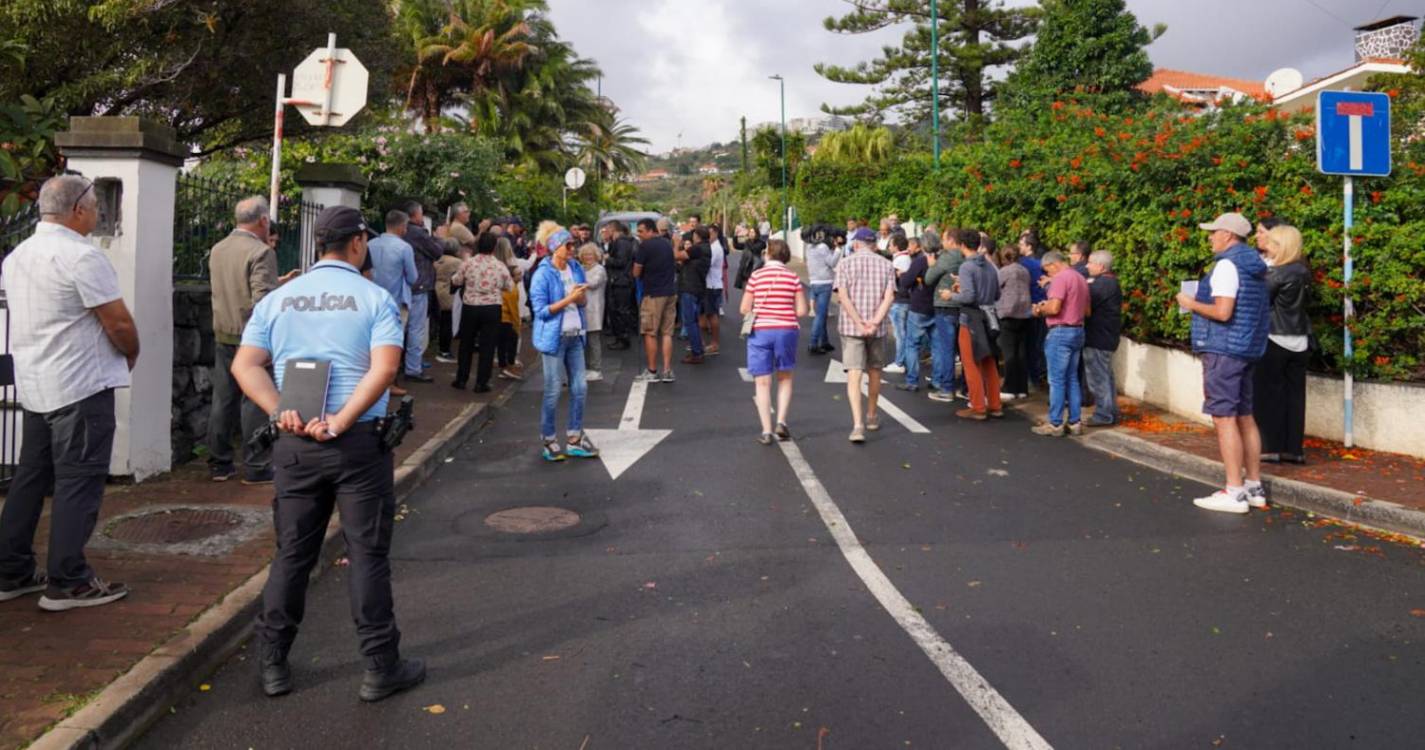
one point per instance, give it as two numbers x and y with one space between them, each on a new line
1245 335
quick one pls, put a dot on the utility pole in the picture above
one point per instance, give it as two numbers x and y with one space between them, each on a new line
786 200
935 76
744 143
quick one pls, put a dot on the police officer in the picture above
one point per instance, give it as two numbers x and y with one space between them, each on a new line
333 459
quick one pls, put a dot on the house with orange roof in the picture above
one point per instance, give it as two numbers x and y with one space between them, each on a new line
1381 47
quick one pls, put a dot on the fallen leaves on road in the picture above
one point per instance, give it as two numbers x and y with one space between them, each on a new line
551 657
205 687
998 473
975 584
651 585
436 709
1417 613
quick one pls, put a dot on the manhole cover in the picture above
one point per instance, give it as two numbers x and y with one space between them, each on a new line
174 526
535 519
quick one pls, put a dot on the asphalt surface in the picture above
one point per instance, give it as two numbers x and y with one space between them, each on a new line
702 602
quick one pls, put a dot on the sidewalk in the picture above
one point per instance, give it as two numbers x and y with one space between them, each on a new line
1369 488
194 571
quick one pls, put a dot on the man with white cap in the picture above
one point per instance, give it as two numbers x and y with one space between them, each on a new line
1230 322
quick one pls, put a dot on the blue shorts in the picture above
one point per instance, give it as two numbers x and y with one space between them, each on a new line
712 302
771 350
1226 386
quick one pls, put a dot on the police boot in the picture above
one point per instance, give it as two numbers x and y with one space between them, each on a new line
389 674
276 673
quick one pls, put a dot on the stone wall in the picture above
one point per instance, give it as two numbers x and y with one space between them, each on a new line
192 358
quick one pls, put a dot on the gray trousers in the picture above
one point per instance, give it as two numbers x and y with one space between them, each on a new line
65 451
1098 370
355 476
233 412
594 351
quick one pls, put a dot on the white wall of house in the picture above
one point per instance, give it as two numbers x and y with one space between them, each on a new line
1388 415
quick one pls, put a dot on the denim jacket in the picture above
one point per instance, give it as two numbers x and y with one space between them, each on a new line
545 289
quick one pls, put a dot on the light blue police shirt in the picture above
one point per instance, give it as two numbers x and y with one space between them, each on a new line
393 266
330 313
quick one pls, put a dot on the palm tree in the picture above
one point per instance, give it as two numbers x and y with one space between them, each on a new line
473 54
609 145
860 144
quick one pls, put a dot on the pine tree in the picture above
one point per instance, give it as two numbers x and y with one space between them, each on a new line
975 36
1094 46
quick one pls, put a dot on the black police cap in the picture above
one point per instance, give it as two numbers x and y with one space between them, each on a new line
337 223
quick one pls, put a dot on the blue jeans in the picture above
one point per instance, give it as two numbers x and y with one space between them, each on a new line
821 302
690 304
900 315
917 329
1063 347
568 361
417 332
944 332
1098 368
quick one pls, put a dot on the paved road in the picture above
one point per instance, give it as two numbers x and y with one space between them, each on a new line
1011 591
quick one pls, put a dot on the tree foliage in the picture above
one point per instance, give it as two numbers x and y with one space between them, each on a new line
206 67
767 153
1092 46
975 37
862 143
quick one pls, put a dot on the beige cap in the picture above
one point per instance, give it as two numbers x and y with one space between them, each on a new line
1234 223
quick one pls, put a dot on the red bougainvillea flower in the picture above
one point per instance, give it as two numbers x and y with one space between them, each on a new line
1261 191
1382 361
1015 164
1076 162
1063 198
1392 93
1375 197
1217 161
1056 106
1304 134
1100 132
1306 190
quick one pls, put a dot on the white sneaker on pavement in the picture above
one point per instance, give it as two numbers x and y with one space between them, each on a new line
894 368
1224 502
593 376
1257 497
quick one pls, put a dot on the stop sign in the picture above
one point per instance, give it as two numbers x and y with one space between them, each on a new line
348 87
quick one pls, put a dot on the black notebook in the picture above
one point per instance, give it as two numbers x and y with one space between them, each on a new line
304 388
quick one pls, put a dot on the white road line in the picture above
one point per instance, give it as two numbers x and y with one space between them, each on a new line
633 408
835 373
746 376
1011 728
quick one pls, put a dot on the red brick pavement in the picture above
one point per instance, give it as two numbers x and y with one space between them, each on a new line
52 663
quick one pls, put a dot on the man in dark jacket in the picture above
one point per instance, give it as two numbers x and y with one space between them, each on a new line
694 259
920 308
1101 331
976 293
428 251
623 310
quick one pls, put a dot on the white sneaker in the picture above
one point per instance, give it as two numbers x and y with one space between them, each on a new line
1224 502
1257 497
593 376
1007 397
894 368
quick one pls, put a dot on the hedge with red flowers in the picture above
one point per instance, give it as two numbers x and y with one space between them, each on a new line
1139 184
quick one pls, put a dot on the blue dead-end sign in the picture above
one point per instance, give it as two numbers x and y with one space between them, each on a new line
1353 133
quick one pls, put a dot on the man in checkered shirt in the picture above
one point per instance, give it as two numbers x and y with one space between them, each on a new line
866 287
74 342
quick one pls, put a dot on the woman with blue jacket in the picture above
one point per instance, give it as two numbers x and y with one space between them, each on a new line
556 294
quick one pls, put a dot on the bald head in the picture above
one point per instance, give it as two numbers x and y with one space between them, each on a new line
250 213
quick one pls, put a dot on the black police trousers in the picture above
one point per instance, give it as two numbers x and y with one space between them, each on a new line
354 475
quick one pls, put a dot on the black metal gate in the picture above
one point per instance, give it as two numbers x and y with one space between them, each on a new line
13 230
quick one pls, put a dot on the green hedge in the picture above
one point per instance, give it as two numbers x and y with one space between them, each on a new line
1138 185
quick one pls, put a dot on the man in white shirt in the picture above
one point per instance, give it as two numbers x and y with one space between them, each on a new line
74 342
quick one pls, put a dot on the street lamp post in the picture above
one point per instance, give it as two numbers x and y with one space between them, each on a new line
786 200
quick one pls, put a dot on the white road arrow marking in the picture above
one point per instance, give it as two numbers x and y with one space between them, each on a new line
746 376
622 448
836 373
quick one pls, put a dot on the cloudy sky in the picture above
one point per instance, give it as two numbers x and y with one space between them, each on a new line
692 68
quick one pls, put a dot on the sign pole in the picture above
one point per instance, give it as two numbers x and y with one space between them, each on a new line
277 146
1349 312
326 114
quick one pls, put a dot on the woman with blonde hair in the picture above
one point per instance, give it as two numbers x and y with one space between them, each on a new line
595 280
774 299
1280 378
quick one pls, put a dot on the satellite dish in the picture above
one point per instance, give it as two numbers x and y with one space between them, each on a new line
1284 81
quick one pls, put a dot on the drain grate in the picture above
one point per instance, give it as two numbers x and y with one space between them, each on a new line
534 519
173 526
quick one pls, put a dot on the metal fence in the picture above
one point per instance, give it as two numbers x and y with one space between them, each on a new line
13 230
203 216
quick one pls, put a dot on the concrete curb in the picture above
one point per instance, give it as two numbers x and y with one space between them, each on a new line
1345 506
124 709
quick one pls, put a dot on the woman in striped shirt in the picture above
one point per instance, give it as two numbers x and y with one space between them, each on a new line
775 299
